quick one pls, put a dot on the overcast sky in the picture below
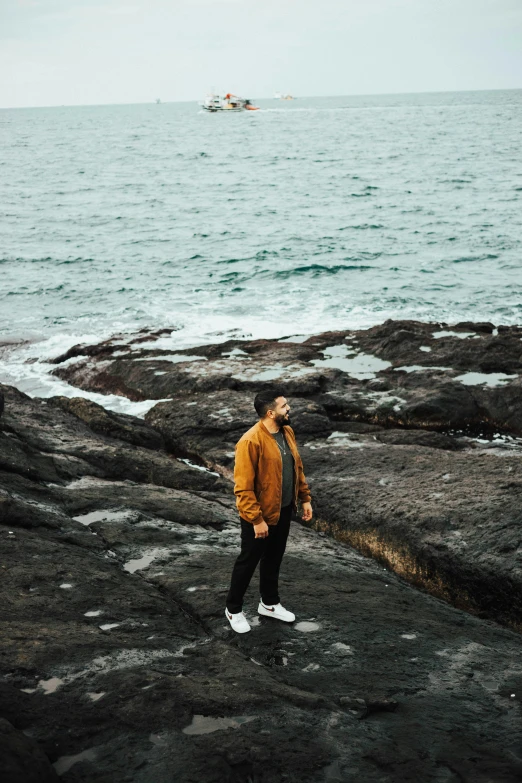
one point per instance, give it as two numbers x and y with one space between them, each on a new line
55 52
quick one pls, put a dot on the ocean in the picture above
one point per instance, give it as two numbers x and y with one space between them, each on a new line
305 216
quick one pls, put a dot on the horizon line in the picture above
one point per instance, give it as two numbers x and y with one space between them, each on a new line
266 98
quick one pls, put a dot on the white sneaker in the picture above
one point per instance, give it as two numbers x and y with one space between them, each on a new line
238 621
277 611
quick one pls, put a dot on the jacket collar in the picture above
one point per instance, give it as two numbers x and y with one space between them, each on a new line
265 430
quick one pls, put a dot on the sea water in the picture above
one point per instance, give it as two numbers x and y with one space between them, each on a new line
325 213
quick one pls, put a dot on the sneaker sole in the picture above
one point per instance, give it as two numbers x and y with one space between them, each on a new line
268 613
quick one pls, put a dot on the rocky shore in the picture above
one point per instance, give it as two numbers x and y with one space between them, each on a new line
118 535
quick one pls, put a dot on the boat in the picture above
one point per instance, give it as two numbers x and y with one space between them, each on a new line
280 96
229 102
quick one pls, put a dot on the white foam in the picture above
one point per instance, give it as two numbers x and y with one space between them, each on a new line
28 369
297 338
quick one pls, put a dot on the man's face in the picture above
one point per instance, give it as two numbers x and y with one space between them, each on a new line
281 412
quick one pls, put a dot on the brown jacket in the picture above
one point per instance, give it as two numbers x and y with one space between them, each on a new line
258 475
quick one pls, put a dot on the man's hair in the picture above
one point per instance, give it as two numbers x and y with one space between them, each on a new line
266 401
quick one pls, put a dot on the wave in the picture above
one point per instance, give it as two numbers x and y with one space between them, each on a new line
470 259
319 269
259 256
361 227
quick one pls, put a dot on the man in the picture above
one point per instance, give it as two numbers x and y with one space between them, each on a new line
269 480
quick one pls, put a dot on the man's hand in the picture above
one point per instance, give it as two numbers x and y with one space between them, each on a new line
261 530
307 512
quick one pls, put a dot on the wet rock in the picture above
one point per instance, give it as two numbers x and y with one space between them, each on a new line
170 504
363 708
46 442
21 759
427 364
114 425
433 440
444 522
209 426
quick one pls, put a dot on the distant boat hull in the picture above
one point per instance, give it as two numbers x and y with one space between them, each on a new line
228 103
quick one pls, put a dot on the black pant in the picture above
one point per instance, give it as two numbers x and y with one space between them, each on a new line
268 552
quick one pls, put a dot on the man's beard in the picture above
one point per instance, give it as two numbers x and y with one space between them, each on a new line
281 419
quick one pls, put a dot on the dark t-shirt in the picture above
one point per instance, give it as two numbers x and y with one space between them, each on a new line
288 468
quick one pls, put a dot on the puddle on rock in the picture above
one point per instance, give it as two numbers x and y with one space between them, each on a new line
342 649
159 739
460 335
95 696
202 724
198 467
109 626
278 371
312 667
66 586
94 613
305 626
487 378
419 368
356 365
102 516
145 560
51 685
236 353
175 358
64 763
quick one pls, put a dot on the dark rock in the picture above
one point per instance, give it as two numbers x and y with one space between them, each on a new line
362 708
433 440
449 407
44 442
21 759
114 425
432 396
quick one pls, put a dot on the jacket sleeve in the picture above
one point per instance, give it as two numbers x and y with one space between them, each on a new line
244 482
303 490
